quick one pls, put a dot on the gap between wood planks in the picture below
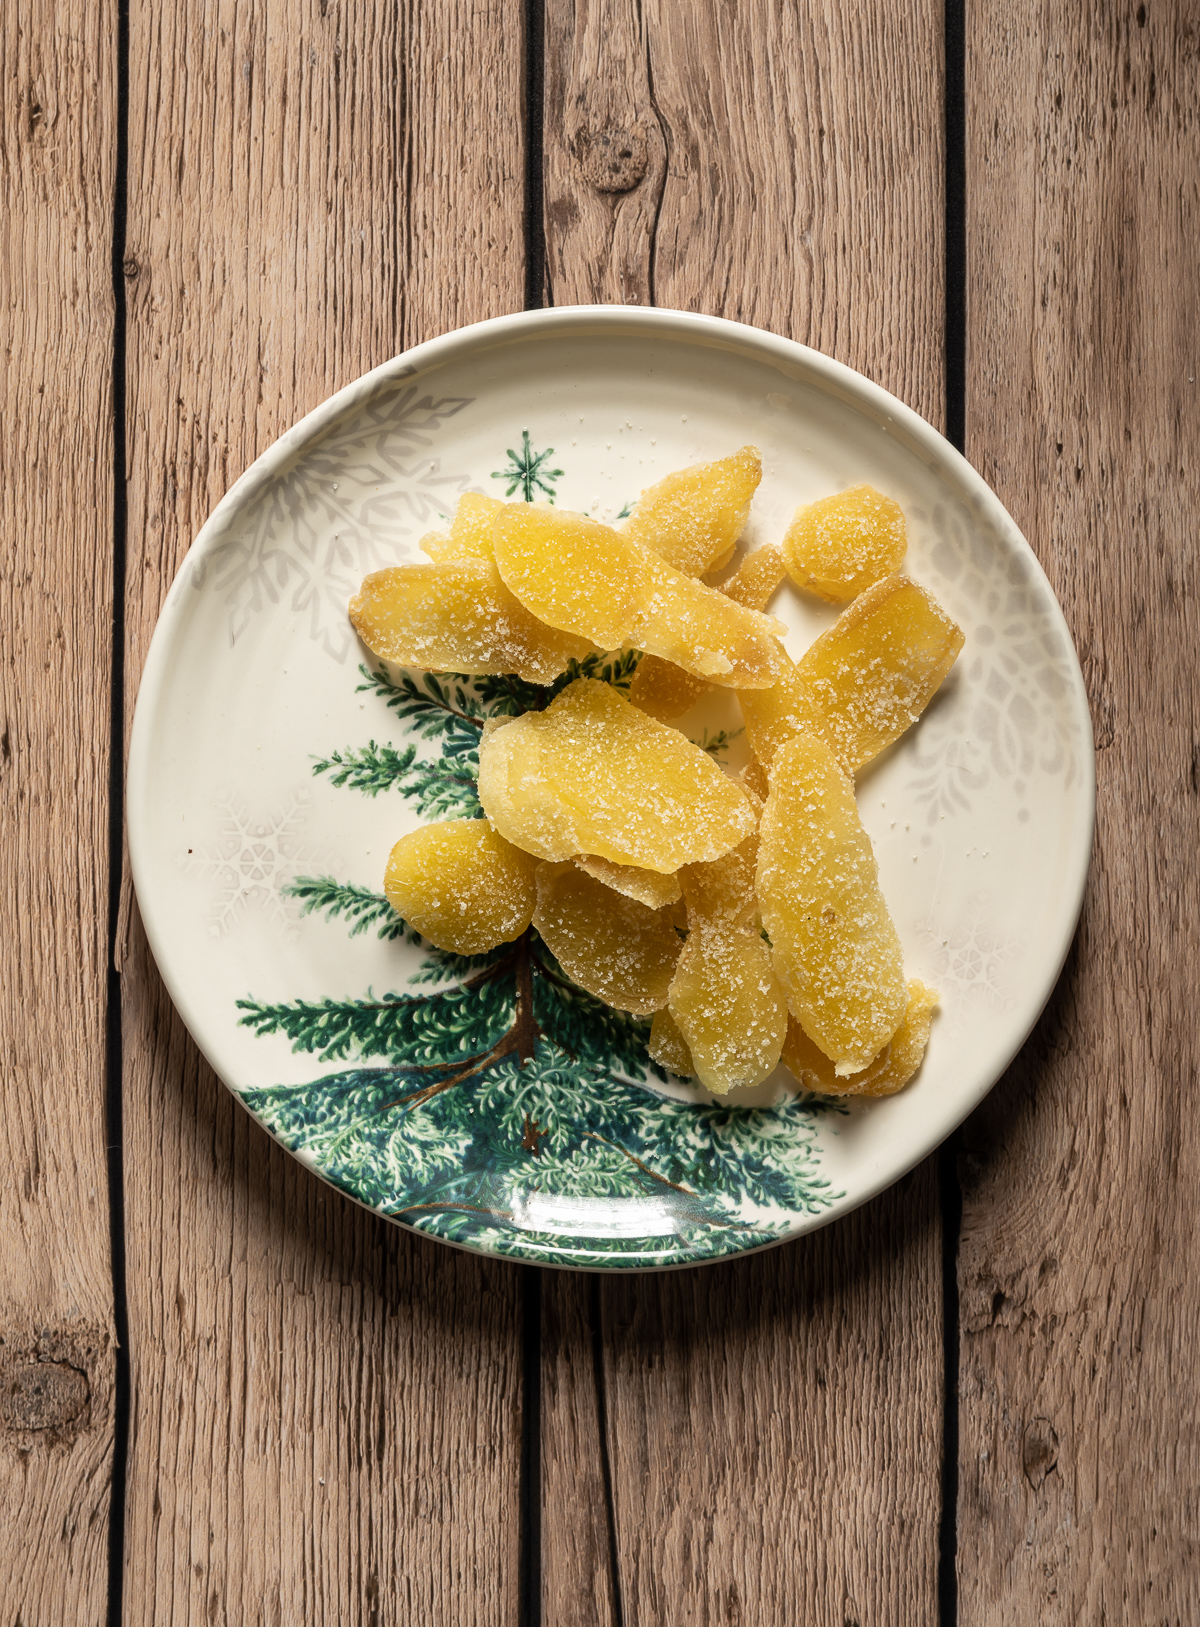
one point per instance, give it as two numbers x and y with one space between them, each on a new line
113 1055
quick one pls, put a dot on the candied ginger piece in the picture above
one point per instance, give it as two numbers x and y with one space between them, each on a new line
470 534
753 780
838 547
892 1068
833 944
864 681
725 998
587 579
647 886
723 889
756 578
694 517
668 1046
666 690
461 886
591 774
457 616
612 946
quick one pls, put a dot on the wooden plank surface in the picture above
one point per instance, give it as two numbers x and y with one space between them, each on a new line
57 1349
1080 1466
758 1442
326 1411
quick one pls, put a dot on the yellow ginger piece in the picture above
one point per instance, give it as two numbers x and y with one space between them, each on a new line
612 946
756 579
668 1046
593 775
457 616
833 944
864 681
587 579
725 998
892 1068
461 886
694 517
470 534
836 548
667 691
647 886
753 780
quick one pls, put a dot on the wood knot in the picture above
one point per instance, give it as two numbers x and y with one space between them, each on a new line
1039 1451
43 1395
612 160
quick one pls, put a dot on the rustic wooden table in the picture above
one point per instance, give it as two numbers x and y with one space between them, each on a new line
228 1395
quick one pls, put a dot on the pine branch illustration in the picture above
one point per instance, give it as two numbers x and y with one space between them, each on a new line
446 787
371 769
358 906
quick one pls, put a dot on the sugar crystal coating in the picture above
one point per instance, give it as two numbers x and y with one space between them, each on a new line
694 517
457 616
668 1046
864 681
591 774
892 1068
612 946
725 998
666 690
647 886
833 944
461 886
470 534
837 547
596 583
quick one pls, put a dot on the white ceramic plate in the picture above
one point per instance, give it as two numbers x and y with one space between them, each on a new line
253 864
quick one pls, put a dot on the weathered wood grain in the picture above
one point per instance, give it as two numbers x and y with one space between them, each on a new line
326 1412
774 1426
57 171
1080 1466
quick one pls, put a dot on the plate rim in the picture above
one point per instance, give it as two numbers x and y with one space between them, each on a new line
682 326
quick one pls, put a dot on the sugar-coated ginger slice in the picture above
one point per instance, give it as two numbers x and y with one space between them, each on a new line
666 690
864 681
756 579
461 886
647 886
457 616
723 891
728 1005
668 1046
725 998
694 517
833 944
470 533
591 774
612 946
753 780
892 1068
838 547
596 583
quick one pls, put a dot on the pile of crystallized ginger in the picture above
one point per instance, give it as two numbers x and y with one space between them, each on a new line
744 913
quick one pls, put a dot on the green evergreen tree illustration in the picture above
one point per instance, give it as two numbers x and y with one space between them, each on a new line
492 1101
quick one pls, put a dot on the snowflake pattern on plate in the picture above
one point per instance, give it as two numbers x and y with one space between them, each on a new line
314 528
977 957
1019 670
252 861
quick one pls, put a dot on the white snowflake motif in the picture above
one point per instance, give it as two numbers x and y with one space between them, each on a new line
976 956
252 858
320 519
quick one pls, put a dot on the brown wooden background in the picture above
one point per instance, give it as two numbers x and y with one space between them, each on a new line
226 1395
